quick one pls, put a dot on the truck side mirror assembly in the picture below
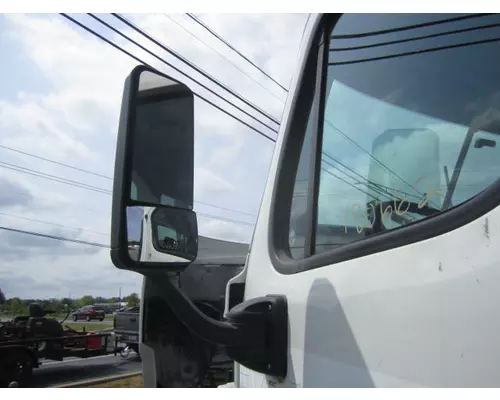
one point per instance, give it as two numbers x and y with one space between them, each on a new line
153 210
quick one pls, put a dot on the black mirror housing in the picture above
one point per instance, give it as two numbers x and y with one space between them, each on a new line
153 190
154 175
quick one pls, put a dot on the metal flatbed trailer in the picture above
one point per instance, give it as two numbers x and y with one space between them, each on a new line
19 356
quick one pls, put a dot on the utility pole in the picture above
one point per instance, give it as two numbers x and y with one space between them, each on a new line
120 295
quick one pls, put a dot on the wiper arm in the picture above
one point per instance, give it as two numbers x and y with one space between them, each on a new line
458 168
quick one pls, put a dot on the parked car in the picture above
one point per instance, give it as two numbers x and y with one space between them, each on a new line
88 313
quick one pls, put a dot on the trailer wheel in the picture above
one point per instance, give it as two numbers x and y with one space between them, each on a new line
25 367
17 367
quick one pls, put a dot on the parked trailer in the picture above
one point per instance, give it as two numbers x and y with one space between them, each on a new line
18 358
25 341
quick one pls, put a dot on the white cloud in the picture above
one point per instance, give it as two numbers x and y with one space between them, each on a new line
206 181
72 117
236 232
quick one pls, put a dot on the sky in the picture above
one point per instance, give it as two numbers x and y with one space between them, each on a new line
60 100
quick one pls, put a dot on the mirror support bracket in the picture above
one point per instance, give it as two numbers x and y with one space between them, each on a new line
255 332
263 323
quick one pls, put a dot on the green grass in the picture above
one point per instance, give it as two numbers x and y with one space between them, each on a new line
133 382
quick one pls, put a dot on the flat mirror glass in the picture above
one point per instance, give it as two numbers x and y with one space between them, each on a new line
161 139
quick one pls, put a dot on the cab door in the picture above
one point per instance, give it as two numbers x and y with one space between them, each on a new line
381 212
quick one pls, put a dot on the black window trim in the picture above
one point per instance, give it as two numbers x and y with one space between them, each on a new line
282 196
316 114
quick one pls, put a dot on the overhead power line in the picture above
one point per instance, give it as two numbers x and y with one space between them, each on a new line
80 185
54 178
65 239
380 32
14 166
53 224
51 177
346 182
54 162
225 219
138 59
174 68
191 78
409 27
382 189
349 139
55 237
103 38
434 35
357 188
222 56
86 242
50 200
205 26
368 185
193 66
226 209
412 53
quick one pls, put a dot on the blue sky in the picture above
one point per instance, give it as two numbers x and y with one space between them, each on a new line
60 98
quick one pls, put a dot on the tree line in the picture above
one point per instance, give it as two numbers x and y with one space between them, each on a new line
18 306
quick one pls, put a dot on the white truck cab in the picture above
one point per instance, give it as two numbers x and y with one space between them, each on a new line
372 262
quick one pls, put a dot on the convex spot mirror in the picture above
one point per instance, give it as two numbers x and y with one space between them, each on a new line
153 223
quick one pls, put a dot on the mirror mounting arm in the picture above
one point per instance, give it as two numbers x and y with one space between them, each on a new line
255 332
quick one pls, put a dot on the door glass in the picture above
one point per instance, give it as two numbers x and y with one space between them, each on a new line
411 124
